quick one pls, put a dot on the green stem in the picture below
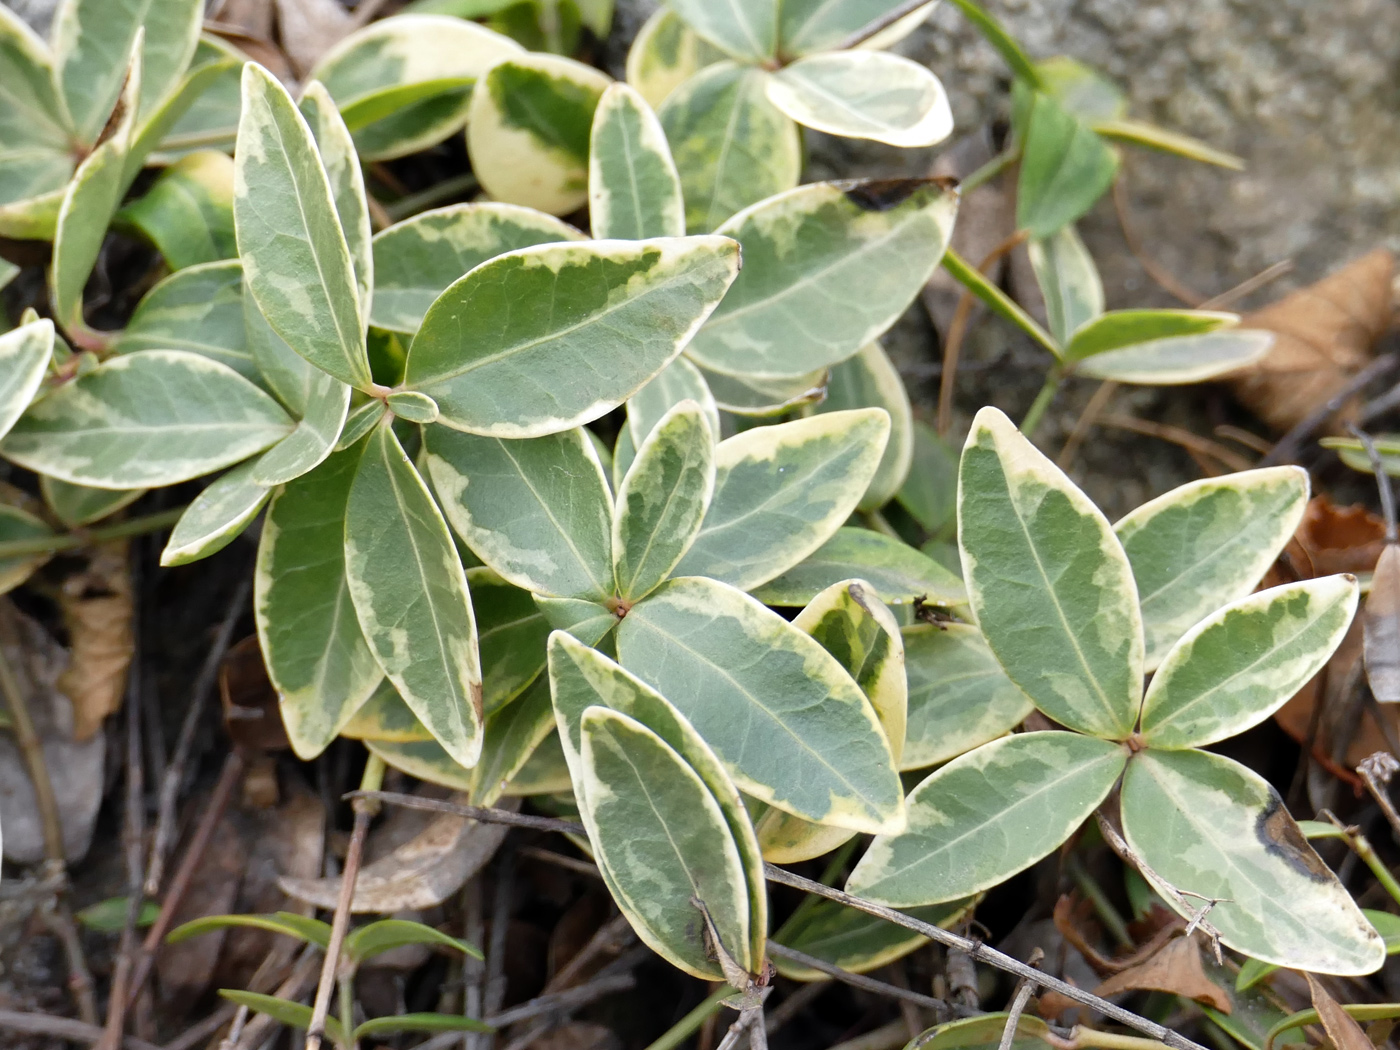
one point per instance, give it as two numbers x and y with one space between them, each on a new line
346 982
435 194
1042 401
1361 846
86 537
1000 303
682 1029
1000 39
987 172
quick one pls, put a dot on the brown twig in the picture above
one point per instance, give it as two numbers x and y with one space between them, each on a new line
254 1032
1018 1004
612 936
62 1028
202 1030
1179 436
1248 286
1168 282
1376 772
869 984
484 814
1086 419
494 994
59 919
559 860
473 969
1287 448
1240 436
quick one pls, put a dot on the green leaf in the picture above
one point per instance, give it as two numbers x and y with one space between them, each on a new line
109 428
930 494
1207 543
360 422
870 380
295 1015
364 71
411 597
1000 303
1049 582
1181 360
827 268
1081 89
581 678
416 260
93 42
633 188
1209 826
17 524
746 29
199 309
1141 133
781 492
791 726
1120 328
662 500
311 931
1354 454
286 373
605 317
385 718
587 621
211 118
985 816
89 202
658 832
1238 666
545 771
25 353
855 941
1065 169
109 916
36 159
216 516
78 505
537 511
679 381
188 211
986 1030
375 938
665 54
959 697
896 571
296 261
306 447
511 633
347 183
420 1022
512 735
35 218
1069 281
528 129
822 25
865 95
749 396
732 146
311 641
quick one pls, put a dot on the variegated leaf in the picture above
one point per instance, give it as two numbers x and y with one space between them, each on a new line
188 211
199 309
1068 279
1180 360
25 354
1049 582
897 572
327 404
870 380
807 26
855 941
589 622
746 29
216 516
634 191
665 54
37 158
1065 168
385 718
866 95
987 815
511 633
17 524
1207 543
763 398
347 183
78 505
679 381
1123 328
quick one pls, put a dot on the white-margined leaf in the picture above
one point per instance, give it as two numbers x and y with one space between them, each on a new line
1209 826
781 492
34 218
1243 662
385 718
411 597
854 940
746 29
602 318
865 95
662 500
296 263
855 627
211 68
581 678
153 418
897 572
291 377
827 268
19 524
79 505
806 26
1181 360
1068 279
316 654
679 381
347 183
25 353
762 398
404 83
511 633
528 127
199 309
327 404
870 380
791 726
512 735
1207 543
37 158
1065 168
1118 329
188 211
959 697
634 191
665 54
417 259
1049 582
537 511
732 146
587 621
987 815
658 832
216 516
544 772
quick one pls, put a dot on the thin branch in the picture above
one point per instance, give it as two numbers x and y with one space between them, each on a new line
202 1030
1382 480
1376 772
1248 286
484 814
1287 448
69 541
62 1028
1086 420
868 984
880 24
1179 436
1018 1005
1135 245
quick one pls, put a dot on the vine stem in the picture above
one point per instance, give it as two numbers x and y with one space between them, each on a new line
85 537
1048 390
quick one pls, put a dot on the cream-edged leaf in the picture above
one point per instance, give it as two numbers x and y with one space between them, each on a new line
199 309
36 159
806 26
764 398
216 516
896 572
25 354
327 404
1180 360
746 29
865 95
870 380
18 524
1068 279
679 381
511 633
78 505
188 211
347 183
634 190
665 53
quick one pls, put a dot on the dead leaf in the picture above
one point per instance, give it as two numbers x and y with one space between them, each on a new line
253 17
97 610
250 703
186 970
1326 334
1381 628
1176 969
308 28
75 767
577 1035
422 873
1341 1028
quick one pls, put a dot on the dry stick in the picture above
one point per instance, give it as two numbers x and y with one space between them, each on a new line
60 921
1376 772
247 1033
62 1028
957 332
473 969
201 1030
174 778
1150 265
1387 493
612 936
559 860
868 984
1248 286
1243 437
1018 1004
1086 419
976 949
1179 436
1290 443
495 984
364 809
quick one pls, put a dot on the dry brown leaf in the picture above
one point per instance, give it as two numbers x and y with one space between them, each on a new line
308 28
1326 334
97 610
1341 1028
250 703
421 873
186 970
577 1035
253 17
1381 628
1176 969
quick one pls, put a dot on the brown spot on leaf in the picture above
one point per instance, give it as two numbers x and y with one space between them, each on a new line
884 194
1279 833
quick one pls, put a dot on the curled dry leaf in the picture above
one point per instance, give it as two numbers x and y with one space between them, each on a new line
1175 968
1326 334
421 873
1344 1032
97 610
1381 627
